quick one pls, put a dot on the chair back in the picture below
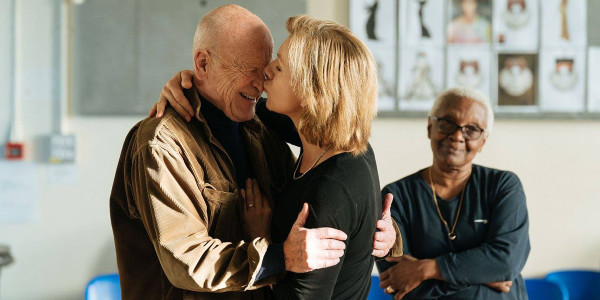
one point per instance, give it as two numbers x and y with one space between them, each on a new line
376 293
541 289
580 284
104 287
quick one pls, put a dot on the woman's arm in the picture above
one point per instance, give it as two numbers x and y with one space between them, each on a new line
418 270
504 253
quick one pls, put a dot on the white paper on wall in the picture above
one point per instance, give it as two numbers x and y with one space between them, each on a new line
421 77
564 23
18 192
594 79
516 24
385 58
422 22
562 80
469 67
374 21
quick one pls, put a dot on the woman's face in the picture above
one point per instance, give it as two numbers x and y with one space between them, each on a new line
281 96
469 7
454 150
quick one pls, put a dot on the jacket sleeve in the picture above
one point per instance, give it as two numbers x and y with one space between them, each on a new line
173 209
429 289
504 253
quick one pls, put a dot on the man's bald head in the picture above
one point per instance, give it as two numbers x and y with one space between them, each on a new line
230 27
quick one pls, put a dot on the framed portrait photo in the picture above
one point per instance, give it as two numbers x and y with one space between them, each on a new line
517 81
562 80
594 79
564 23
421 77
422 22
385 59
469 22
516 25
469 67
374 21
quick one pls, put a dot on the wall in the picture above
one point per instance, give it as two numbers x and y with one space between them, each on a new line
71 241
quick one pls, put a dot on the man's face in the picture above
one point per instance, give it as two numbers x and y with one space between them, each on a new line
235 79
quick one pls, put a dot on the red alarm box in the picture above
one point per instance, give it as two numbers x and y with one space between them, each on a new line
14 151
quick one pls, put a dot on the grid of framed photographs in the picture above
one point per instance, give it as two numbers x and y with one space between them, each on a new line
529 56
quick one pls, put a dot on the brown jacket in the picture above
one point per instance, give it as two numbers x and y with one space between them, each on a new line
175 210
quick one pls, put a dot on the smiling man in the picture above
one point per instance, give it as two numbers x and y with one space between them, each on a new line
175 203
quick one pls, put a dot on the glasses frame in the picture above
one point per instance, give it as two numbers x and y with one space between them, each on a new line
458 127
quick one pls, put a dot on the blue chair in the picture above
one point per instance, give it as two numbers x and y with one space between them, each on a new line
580 285
104 287
376 293
541 289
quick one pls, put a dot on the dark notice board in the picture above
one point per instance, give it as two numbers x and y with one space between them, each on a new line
125 50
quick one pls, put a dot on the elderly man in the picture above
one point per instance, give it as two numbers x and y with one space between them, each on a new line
175 201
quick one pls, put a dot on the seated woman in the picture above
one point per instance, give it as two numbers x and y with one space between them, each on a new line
464 226
325 81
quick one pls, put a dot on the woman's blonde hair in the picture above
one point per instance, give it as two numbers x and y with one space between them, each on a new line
335 75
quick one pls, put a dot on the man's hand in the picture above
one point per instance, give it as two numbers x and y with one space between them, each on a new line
173 93
407 274
385 238
309 249
500 286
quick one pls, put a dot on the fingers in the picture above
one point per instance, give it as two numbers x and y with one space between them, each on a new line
301 220
382 225
180 97
166 93
161 105
259 200
379 253
250 193
384 276
186 78
331 244
152 112
329 233
243 192
326 263
387 204
377 245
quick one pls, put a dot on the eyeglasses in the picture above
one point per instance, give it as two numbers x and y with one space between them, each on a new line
447 127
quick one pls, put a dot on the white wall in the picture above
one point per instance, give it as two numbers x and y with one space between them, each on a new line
557 161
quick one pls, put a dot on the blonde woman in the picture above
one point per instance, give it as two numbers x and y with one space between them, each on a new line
324 81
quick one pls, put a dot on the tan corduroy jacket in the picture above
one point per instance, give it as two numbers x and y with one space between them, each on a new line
176 214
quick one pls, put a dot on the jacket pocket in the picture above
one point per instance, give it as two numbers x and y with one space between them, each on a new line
223 217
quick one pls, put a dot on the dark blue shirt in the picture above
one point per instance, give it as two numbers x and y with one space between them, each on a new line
492 234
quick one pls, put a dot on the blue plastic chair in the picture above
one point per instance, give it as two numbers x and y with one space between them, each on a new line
376 293
542 289
104 287
580 285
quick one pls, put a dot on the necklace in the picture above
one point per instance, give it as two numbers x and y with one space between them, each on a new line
311 167
451 233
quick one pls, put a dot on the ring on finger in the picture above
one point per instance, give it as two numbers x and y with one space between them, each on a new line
162 97
389 289
251 204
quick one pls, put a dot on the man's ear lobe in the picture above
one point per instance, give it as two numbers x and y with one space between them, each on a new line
201 63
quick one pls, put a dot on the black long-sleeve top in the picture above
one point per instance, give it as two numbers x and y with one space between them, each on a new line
492 242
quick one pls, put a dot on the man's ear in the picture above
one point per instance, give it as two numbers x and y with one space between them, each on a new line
201 60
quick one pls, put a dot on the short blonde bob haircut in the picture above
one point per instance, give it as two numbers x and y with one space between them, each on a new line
335 75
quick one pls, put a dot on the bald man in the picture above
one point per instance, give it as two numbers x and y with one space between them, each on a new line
175 204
